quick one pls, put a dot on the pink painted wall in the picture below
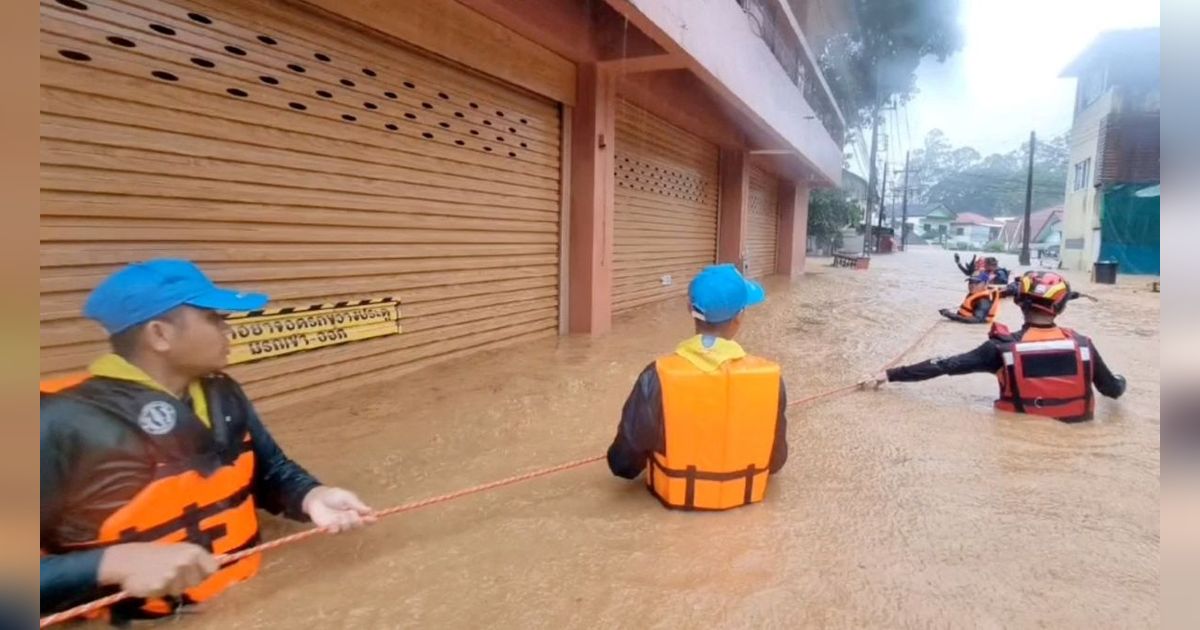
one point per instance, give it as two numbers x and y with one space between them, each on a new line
735 200
593 125
793 229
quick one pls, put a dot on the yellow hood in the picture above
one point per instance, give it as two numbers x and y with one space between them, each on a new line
709 353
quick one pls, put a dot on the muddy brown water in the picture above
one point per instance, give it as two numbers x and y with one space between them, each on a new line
914 506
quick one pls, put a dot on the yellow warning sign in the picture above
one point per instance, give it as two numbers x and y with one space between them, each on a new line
274 332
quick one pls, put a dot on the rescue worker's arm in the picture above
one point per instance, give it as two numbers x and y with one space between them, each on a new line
967 268
280 484
1106 382
283 486
985 358
779 450
69 578
641 427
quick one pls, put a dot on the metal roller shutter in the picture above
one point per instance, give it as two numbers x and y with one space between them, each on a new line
665 223
291 153
762 238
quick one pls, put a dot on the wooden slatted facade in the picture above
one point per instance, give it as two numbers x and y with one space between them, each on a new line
762 237
665 216
288 152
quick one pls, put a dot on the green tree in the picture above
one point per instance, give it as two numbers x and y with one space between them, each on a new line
962 181
869 66
828 212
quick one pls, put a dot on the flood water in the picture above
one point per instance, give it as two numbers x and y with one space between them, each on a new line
913 506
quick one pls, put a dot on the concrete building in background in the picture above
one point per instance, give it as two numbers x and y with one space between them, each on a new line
934 224
855 187
973 231
502 173
1045 230
1111 210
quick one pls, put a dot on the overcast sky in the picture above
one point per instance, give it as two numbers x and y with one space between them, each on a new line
1004 82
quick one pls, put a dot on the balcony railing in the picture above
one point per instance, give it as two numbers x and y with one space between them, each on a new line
778 31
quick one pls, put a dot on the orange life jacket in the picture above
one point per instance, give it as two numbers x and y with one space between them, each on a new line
967 308
215 511
55 385
720 430
1048 372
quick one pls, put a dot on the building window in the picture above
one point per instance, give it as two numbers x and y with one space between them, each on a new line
1091 87
1083 174
959 231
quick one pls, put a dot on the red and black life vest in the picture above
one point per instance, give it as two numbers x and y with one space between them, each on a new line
1047 372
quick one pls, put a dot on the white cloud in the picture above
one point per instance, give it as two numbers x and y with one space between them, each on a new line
1004 82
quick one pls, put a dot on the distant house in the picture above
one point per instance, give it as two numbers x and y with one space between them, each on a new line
1045 229
973 230
855 187
1112 204
933 224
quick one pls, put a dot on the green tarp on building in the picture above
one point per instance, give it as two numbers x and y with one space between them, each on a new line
1129 228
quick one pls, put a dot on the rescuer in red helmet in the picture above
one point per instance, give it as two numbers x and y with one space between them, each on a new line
1042 369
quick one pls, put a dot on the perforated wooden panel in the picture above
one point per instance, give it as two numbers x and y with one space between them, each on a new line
762 234
665 220
289 153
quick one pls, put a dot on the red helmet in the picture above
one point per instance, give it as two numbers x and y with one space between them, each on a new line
1044 290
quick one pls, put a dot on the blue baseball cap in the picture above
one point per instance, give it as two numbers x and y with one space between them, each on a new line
142 291
719 293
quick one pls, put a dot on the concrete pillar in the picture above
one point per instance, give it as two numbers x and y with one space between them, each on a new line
593 125
793 229
734 210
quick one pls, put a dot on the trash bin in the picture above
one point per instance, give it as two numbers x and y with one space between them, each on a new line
1105 272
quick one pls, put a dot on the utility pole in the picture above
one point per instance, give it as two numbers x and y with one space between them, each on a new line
904 206
1024 259
882 197
871 177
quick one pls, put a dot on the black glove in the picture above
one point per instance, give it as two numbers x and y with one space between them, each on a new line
946 313
1121 380
955 256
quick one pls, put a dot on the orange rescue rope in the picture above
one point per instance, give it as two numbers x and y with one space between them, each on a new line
109 600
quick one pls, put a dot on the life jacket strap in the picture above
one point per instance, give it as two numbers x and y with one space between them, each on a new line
691 474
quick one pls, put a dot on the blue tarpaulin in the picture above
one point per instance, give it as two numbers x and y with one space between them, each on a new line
1129 228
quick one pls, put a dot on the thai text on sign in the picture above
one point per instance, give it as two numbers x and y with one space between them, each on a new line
270 333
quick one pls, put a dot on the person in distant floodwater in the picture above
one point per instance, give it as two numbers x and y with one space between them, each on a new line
989 266
1043 369
981 304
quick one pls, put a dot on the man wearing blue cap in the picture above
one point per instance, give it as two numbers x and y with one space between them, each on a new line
706 422
157 461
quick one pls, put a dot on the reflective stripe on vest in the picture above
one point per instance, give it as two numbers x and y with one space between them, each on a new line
216 512
720 432
1049 375
967 308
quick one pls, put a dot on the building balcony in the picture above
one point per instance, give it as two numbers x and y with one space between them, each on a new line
754 55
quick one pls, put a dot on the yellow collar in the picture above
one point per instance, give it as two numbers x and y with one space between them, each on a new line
116 367
708 353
